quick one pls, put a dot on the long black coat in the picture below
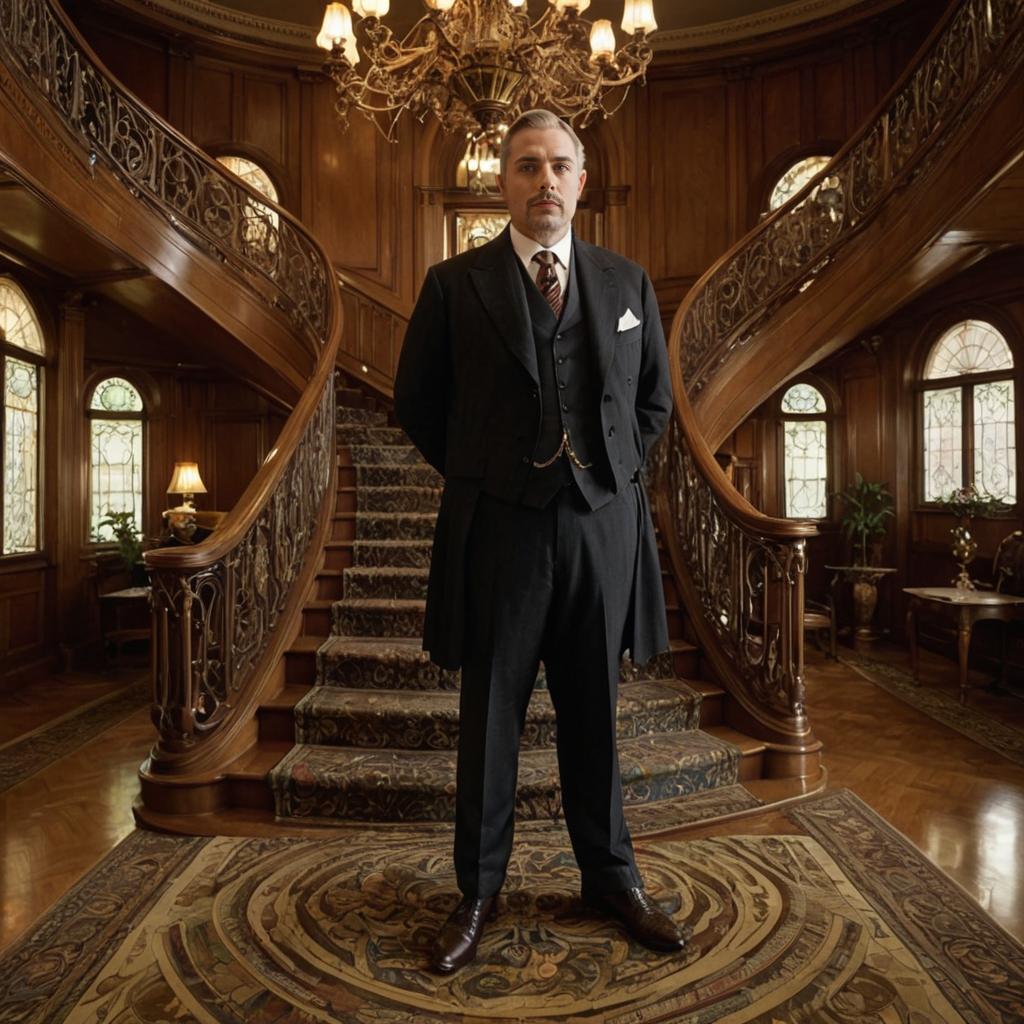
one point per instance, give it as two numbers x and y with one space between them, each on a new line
467 393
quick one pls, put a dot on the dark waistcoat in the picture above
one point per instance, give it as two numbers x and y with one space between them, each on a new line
570 393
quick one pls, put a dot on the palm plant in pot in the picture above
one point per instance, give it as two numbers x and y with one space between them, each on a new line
869 507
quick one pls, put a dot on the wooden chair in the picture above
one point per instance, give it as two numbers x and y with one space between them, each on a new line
820 617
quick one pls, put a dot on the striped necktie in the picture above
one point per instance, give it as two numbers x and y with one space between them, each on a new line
547 280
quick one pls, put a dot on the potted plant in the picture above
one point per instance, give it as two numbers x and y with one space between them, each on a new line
965 504
129 543
868 507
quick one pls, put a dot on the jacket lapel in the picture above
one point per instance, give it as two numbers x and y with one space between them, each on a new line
599 297
500 286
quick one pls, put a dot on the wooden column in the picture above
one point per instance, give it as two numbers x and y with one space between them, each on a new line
72 604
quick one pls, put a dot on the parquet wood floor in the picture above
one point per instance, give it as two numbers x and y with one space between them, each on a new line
961 804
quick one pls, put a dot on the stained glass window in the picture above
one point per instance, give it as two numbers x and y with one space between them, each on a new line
805 453
966 350
943 442
258 218
970 347
795 178
21 351
21 456
115 477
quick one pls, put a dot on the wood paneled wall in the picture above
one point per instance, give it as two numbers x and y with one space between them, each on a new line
876 432
192 413
676 176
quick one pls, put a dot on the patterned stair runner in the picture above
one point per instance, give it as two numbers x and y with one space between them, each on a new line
376 736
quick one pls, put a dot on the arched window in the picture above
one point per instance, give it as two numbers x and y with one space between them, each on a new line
115 441
21 355
795 178
805 452
258 218
968 426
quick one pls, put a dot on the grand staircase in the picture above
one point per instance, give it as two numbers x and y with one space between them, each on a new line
372 724
289 688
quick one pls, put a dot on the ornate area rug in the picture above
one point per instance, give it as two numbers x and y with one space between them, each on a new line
31 753
845 923
976 725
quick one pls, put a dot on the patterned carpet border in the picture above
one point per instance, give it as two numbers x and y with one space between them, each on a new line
976 725
973 966
43 975
26 755
978 965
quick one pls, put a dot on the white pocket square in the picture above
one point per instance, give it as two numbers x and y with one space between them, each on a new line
627 320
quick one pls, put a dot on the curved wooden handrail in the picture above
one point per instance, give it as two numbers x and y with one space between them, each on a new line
741 572
783 254
268 247
219 608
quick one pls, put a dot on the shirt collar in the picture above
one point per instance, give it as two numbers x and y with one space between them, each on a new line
527 247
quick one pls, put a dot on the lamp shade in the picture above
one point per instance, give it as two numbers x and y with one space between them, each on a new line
336 27
185 479
444 6
371 8
638 15
602 39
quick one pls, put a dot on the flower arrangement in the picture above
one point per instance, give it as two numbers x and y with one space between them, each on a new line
968 502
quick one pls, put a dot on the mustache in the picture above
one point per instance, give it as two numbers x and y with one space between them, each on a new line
549 197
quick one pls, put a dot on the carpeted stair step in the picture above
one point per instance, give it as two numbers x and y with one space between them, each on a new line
410 554
380 617
398 499
389 455
373 581
367 417
361 433
408 475
326 782
395 525
380 664
429 720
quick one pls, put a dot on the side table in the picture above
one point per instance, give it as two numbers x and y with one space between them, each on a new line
124 616
966 607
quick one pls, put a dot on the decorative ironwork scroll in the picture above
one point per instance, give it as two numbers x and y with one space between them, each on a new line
787 251
192 190
211 625
749 588
216 605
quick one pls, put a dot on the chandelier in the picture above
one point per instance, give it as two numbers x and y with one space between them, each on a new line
476 65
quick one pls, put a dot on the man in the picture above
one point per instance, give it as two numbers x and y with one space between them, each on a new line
534 378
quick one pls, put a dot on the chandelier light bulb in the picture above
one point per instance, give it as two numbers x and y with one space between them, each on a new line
444 6
337 26
516 3
637 16
602 40
371 8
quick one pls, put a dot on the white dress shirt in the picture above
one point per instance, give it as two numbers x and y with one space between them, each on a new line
526 248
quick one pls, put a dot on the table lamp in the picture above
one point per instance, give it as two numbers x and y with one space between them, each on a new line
186 481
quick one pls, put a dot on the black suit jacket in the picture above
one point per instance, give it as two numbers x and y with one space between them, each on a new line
467 392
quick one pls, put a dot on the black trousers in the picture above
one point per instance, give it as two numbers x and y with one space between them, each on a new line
549 584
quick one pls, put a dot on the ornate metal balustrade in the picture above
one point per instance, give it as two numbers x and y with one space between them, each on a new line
742 572
964 62
219 606
194 192
212 624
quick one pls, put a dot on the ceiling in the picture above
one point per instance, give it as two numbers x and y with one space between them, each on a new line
671 14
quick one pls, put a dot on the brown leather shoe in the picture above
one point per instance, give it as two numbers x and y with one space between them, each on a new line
641 916
459 936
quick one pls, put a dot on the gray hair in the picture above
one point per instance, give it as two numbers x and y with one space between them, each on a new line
542 119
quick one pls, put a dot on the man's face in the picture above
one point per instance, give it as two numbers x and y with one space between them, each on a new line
542 183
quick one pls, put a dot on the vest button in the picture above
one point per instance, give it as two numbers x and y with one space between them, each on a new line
629 380
558 337
526 459
607 398
533 394
565 408
611 431
561 359
561 385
